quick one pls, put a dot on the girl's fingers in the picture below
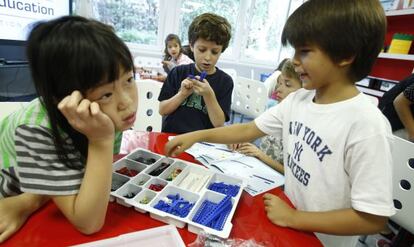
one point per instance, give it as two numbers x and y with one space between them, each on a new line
94 108
83 108
63 102
5 235
97 113
75 99
69 104
3 227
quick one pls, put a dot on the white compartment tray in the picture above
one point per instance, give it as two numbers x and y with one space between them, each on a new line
139 182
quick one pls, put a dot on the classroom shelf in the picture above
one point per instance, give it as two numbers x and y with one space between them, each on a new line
391 66
382 79
408 57
400 12
370 91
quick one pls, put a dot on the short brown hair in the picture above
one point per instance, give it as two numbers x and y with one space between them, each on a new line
210 27
342 29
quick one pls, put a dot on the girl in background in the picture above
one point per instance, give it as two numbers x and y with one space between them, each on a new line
61 145
173 53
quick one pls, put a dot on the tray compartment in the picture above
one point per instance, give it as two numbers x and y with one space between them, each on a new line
193 179
128 167
213 213
168 216
143 157
156 184
126 192
141 179
159 167
143 199
225 184
173 171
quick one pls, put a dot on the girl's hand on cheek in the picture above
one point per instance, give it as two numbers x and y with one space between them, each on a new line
86 117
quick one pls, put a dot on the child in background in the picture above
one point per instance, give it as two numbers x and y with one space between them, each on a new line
398 106
188 101
404 105
340 185
271 148
272 83
61 145
173 54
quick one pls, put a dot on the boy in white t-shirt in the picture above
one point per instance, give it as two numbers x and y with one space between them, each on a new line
337 150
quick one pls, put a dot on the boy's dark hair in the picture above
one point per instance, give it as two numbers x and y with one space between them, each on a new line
342 29
73 53
210 27
171 37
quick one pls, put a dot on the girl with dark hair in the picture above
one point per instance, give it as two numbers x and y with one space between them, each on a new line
173 53
61 145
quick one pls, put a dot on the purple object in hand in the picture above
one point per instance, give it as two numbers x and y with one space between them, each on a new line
202 76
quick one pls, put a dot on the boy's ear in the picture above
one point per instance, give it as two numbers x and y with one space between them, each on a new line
192 48
346 61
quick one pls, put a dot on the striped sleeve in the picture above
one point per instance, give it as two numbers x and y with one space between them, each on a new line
38 167
9 184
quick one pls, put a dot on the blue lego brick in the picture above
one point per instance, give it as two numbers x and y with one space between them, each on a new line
218 209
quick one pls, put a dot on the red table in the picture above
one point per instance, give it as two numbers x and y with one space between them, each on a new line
48 227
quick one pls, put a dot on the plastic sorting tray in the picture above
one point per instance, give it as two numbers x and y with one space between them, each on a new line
130 189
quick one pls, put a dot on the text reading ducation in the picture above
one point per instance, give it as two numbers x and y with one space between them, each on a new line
27 7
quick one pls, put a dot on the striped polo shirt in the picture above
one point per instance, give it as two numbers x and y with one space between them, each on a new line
29 160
